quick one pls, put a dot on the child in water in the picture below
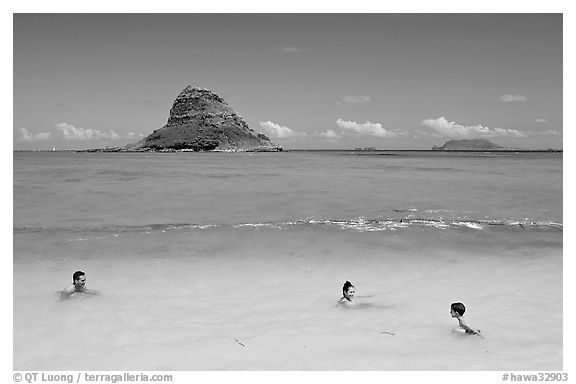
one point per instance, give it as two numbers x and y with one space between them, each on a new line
457 311
348 293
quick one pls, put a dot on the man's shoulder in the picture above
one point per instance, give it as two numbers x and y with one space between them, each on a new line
70 288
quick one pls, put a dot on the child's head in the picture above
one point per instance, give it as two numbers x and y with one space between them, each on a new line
457 308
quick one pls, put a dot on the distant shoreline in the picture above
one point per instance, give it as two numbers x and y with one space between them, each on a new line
428 150
320 150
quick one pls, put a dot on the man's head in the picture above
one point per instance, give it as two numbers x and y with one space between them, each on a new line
79 279
457 308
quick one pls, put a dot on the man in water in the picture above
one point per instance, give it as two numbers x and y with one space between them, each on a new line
78 286
78 283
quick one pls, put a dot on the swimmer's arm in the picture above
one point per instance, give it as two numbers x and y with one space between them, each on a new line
65 293
345 303
467 328
477 333
69 289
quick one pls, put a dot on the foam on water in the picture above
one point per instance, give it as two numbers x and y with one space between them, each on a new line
360 224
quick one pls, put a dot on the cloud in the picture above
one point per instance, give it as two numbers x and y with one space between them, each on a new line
132 135
356 99
365 129
420 133
28 136
279 131
513 98
291 50
70 132
330 134
450 128
541 121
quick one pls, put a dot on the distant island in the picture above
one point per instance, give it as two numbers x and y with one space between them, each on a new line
484 146
470 145
200 121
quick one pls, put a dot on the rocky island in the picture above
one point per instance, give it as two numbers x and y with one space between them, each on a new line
470 145
200 120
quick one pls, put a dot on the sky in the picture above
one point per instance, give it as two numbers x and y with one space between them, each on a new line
307 81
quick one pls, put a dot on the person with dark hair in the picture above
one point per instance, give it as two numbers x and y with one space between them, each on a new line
78 282
348 293
457 311
78 285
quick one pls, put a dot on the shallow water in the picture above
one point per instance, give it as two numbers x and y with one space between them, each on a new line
196 273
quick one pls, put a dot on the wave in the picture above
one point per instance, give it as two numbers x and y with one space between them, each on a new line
370 225
360 224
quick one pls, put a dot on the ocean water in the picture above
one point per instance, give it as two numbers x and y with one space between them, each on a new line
217 261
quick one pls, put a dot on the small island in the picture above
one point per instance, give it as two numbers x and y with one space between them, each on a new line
471 145
482 145
200 121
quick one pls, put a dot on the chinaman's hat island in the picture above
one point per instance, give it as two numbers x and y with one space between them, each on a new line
200 120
